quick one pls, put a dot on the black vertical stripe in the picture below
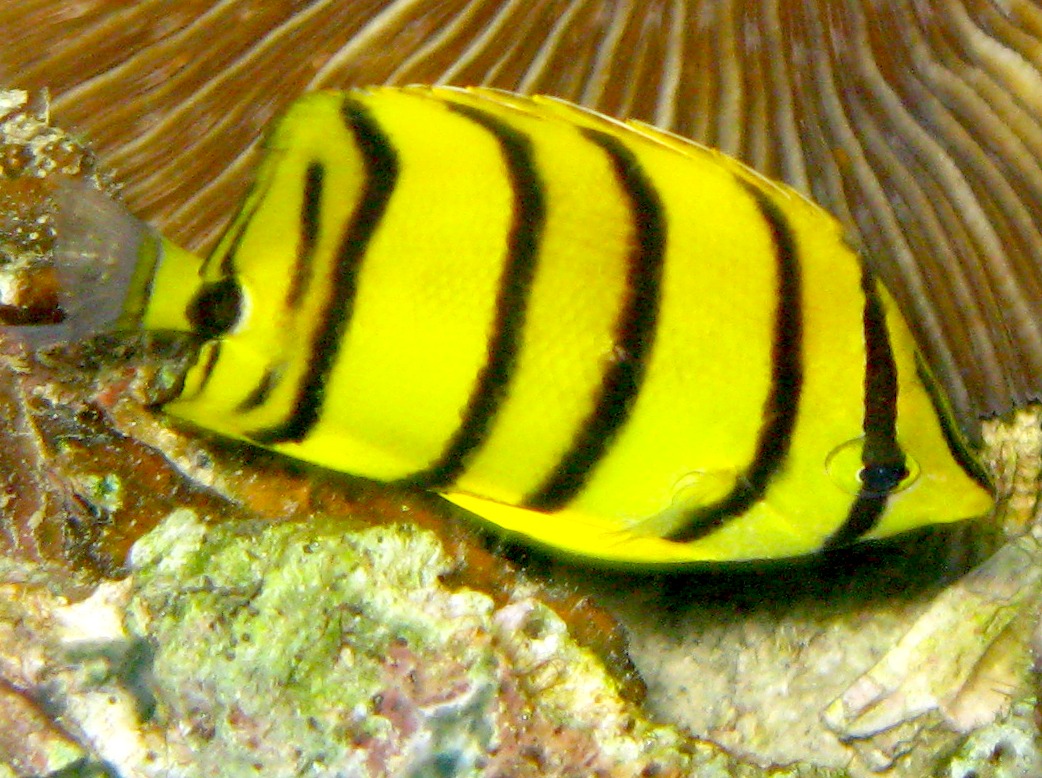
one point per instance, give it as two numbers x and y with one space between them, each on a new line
782 405
634 333
881 446
883 462
310 213
381 173
212 356
515 283
240 224
262 391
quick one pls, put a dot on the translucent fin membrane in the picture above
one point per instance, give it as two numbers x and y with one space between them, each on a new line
98 249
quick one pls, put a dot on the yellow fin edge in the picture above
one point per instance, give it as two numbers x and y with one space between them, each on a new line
584 537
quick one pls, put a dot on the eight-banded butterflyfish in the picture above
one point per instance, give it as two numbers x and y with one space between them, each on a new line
601 337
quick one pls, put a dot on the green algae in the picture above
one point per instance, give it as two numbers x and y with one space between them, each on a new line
321 648
256 623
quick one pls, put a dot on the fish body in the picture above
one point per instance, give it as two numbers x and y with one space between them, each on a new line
600 337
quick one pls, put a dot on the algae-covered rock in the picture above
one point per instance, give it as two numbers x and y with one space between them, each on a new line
302 649
1008 748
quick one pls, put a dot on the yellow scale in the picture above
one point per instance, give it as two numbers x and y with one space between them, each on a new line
609 340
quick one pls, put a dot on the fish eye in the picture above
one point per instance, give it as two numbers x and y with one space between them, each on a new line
846 469
216 308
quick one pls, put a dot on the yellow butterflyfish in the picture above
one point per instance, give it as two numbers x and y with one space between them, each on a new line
603 338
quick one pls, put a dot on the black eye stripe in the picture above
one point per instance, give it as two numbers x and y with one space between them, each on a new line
216 309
